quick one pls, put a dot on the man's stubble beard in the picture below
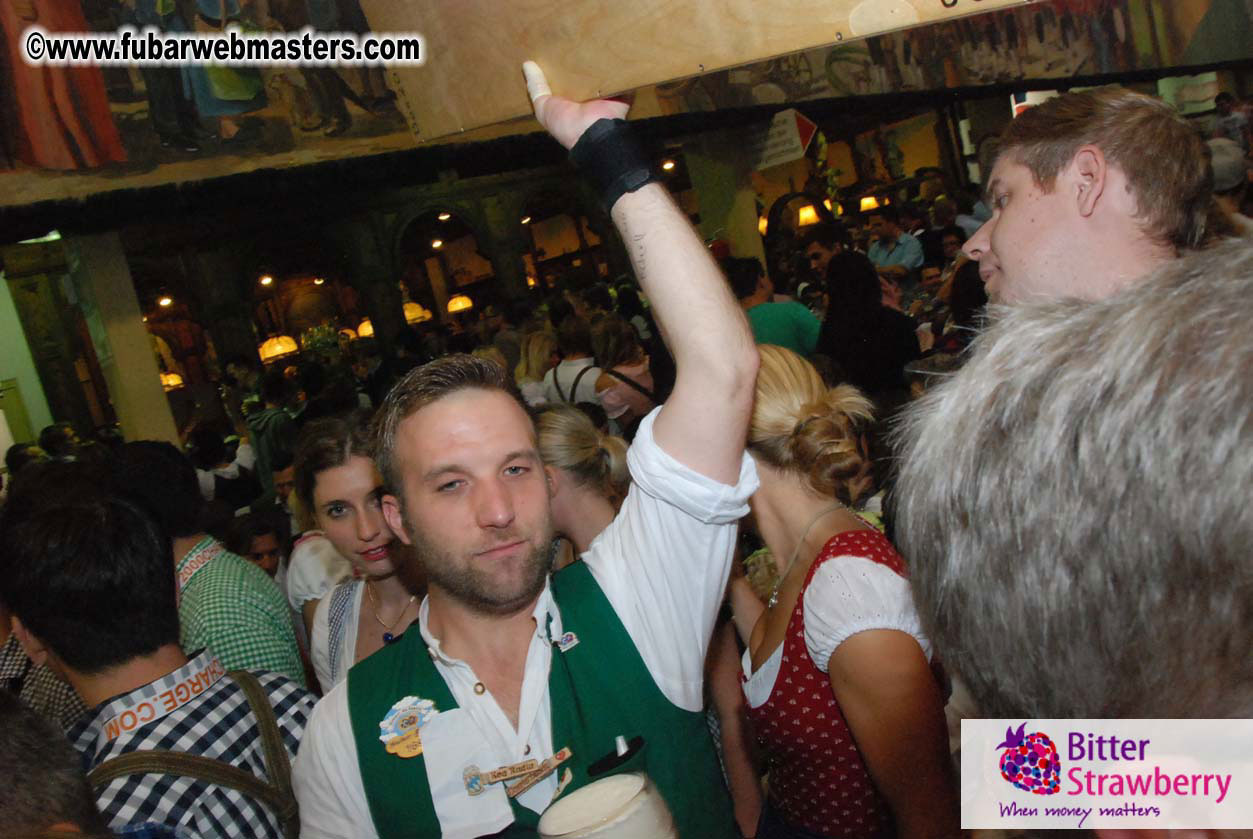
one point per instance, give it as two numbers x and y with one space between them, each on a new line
468 585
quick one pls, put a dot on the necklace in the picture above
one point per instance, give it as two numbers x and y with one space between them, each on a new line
388 635
774 592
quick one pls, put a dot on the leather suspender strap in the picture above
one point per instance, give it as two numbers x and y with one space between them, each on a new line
632 383
277 763
574 391
277 794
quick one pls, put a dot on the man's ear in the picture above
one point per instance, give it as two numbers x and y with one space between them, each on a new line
554 481
32 646
395 518
1089 170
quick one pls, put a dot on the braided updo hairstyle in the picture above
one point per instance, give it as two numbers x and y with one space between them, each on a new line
569 441
801 425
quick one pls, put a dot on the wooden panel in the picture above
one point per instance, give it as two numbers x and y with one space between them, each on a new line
472 76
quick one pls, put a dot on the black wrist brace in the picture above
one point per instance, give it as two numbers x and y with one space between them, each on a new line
609 154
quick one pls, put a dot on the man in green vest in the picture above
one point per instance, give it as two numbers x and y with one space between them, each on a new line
516 686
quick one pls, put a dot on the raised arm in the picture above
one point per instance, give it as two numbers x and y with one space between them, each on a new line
704 423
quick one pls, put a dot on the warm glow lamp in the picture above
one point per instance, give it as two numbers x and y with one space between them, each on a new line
869 203
277 347
460 303
365 329
417 313
171 381
806 215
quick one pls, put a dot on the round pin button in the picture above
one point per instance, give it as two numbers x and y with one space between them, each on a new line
479 689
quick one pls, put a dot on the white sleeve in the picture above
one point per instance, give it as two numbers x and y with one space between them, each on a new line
663 561
246 457
851 594
313 569
325 777
320 644
207 485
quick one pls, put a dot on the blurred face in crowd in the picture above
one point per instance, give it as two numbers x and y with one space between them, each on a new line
475 500
1025 249
284 484
347 505
819 257
882 229
930 276
952 246
264 553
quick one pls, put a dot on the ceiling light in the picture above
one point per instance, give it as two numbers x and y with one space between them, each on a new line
869 203
667 165
165 300
319 280
526 219
266 279
445 216
807 215
437 243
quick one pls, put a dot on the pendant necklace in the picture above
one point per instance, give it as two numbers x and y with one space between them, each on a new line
388 635
774 592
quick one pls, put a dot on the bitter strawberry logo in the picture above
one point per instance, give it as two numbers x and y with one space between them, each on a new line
1030 762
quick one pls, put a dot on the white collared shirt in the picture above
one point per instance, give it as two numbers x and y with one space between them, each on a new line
662 563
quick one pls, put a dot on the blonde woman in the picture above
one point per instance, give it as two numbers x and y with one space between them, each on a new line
587 475
840 622
539 355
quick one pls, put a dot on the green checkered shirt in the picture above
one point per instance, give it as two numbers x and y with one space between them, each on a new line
231 607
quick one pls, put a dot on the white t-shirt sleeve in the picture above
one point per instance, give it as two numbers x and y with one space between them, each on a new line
313 569
325 776
663 561
851 594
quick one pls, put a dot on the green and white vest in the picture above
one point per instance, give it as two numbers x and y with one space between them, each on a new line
599 688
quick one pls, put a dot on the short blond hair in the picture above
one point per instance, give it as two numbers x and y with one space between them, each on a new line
801 425
1164 159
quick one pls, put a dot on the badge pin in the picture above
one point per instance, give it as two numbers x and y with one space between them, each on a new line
399 731
473 780
567 641
566 778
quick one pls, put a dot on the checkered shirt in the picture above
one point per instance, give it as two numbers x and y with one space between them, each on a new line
233 608
216 724
43 691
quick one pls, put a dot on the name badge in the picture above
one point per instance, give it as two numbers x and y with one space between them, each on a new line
545 769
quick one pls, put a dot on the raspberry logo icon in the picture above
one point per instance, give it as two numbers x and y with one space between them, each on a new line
1030 762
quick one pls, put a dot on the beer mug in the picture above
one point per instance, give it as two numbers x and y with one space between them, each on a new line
626 806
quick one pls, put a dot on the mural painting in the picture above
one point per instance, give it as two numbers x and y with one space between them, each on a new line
1059 39
70 131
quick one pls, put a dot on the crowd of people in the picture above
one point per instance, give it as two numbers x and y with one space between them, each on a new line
619 537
